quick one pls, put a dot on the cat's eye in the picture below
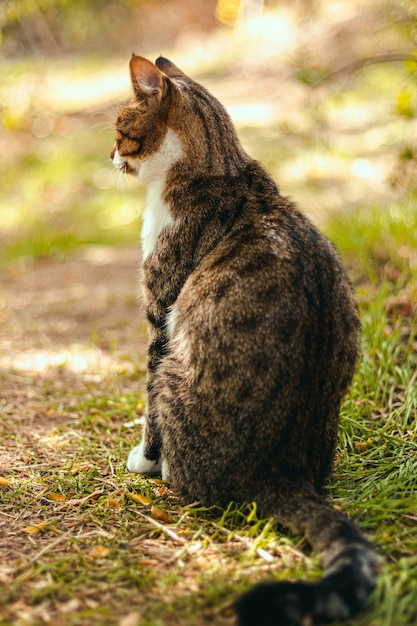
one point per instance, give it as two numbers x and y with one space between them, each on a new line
127 145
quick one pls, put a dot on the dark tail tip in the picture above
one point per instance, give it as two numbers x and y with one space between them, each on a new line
270 604
336 596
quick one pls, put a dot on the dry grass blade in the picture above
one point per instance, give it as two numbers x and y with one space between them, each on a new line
165 529
48 548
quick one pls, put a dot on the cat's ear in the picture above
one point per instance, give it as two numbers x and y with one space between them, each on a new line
169 68
146 79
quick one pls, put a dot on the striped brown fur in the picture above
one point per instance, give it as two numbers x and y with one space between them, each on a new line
254 338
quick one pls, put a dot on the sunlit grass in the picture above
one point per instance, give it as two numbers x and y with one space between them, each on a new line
377 239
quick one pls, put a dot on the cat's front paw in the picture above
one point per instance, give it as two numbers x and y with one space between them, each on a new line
138 463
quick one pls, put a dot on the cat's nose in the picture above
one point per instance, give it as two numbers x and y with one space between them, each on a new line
113 152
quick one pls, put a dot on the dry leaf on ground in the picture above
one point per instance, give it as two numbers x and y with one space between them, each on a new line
137 497
35 529
158 514
58 497
99 552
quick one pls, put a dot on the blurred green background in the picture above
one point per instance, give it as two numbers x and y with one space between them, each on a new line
323 92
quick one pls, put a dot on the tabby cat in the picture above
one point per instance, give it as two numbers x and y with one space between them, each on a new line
254 337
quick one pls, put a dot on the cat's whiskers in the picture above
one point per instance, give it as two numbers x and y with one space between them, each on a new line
121 180
109 112
103 126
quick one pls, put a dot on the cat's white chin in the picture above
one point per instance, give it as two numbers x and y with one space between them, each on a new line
139 464
127 166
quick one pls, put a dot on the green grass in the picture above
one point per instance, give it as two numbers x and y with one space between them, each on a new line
377 240
376 467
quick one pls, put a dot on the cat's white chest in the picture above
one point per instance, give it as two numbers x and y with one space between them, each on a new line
156 216
153 172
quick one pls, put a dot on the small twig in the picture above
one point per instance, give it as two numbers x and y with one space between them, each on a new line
355 66
249 544
173 535
78 501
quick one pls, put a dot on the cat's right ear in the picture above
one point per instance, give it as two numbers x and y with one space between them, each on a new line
146 79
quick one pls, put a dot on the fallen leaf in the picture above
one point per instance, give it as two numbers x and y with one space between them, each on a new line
34 530
362 445
6 575
156 481
99 552
159 514
90 603
115 504
4 482
148 562
137 497
56 496
131 619
163 490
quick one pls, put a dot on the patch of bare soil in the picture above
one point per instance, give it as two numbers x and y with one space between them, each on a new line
65 325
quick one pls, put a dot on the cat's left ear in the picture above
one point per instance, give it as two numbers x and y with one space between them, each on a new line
146 78
169 68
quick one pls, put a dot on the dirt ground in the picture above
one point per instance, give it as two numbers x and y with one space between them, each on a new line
65 325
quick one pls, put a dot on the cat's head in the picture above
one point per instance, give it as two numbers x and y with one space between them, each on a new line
171 119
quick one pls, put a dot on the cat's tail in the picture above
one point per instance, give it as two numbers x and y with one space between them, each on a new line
350 569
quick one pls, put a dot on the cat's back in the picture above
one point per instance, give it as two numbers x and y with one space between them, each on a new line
266 325
269 257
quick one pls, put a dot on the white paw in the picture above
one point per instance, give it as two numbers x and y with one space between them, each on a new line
136 462
164 470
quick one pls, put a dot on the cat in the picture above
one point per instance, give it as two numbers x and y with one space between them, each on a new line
254 339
